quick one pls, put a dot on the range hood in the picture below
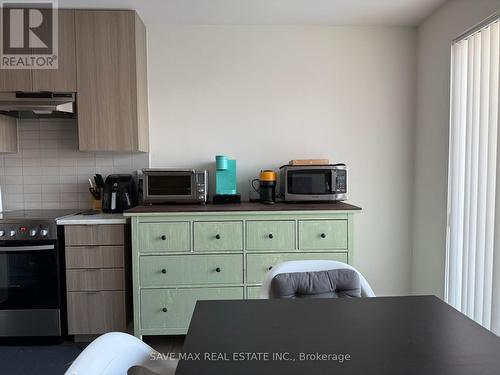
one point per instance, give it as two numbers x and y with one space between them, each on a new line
38 104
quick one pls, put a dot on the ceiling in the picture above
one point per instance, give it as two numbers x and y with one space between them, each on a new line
271 12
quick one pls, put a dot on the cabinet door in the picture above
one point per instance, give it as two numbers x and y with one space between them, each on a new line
96 312
15 80
64 77
8 134
106 80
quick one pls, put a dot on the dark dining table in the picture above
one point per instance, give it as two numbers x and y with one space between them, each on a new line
386 335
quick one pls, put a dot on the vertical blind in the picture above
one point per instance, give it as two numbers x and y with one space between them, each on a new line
472 175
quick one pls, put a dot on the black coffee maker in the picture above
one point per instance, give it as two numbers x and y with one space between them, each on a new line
119 193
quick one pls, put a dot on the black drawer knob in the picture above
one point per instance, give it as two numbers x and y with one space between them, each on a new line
270 268
217 269
217 236
163 270
163 237
323 235
164 309
271 235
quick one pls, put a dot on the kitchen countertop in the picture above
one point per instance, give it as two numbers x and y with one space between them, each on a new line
100 218
241 207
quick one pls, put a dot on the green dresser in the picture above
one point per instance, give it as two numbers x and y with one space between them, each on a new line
182 254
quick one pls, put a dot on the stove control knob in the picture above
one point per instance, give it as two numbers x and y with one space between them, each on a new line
2 233
44 232
32 232
12 233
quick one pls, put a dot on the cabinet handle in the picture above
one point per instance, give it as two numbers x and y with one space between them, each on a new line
270 235
270 268
217 269
163 270
217 236
323 235
164 309
163 237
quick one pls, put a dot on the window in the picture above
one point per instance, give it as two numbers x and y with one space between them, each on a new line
473 174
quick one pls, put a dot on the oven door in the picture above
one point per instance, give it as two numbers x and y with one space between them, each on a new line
169 186
30 293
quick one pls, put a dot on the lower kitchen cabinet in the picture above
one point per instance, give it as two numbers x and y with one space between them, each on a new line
179 257
96 312
96 278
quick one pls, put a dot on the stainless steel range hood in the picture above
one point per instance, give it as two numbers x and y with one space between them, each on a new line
38 104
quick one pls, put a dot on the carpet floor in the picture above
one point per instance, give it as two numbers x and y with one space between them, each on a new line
37 360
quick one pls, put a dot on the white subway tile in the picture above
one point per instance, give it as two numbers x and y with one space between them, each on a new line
13 189
69 197
67 171
51 188
50 171
51 197
51 205
32 205
13 180
69 205
28 189
32 197
32 171
47 180
13 171
68 179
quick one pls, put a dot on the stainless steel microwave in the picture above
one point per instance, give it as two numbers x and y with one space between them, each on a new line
299 183
174 186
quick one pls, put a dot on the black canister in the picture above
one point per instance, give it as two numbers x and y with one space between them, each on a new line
267 186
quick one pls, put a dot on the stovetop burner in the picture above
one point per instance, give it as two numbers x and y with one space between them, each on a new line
30 225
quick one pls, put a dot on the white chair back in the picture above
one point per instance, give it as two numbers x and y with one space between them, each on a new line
114 353
311 266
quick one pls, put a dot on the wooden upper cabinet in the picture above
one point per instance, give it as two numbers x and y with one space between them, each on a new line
111 81
15 80
62 79
8 134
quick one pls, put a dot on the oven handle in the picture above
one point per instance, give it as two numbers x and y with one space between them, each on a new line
26 248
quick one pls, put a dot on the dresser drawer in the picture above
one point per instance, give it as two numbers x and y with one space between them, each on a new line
165 270
173 308
270 235
218 236
171 236
95 257
323 234
77 235
259 264
96 312
95 279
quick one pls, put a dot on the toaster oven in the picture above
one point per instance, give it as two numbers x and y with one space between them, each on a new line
174 186
299 183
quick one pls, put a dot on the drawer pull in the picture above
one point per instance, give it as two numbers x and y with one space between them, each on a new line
163 237
163 270
217 236
270 268
164 309
323 235
270 235
217 269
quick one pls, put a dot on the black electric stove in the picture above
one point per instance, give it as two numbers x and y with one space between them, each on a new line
31 277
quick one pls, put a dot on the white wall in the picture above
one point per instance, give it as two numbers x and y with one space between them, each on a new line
431 158
267 94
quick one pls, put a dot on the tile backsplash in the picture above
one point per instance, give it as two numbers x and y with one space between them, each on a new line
49 172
